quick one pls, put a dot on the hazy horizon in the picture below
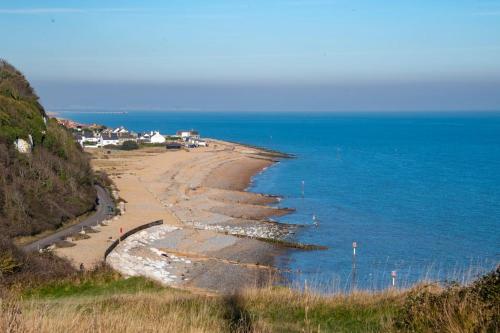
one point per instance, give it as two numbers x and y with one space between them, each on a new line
279 55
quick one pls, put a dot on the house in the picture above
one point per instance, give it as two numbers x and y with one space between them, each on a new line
157 138
197 142
186 135
89 139
122 137
144 137
173 146
120 130
201 143
109 139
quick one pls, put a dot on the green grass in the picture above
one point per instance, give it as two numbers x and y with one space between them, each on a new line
92 287
277 309
340 318
106 299
287 311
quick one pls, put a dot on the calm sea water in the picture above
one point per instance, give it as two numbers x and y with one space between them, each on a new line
419 193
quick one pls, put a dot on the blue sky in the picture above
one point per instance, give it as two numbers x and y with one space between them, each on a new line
314 54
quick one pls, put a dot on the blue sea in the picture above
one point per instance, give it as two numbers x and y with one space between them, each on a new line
418 192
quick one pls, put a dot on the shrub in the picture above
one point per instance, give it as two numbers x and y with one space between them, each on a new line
10 258
456 308
130 145
21 270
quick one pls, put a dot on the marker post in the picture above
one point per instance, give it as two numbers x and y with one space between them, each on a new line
354 246
393 276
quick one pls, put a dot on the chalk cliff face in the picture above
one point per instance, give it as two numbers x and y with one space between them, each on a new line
45 178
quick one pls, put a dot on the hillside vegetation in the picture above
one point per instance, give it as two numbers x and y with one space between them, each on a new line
42 189
102 301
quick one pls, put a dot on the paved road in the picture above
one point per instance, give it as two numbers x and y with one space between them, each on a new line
100 215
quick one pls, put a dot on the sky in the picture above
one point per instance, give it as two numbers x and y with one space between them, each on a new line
258 55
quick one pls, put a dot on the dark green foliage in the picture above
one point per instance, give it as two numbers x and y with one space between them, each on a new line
40 190
20 112
473 308
130 145
10 258
31 269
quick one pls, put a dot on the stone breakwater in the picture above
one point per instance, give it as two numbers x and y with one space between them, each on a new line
268 231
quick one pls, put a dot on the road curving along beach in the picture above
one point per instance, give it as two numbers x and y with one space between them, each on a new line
215 236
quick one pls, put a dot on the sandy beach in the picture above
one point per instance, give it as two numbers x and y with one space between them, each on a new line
213 231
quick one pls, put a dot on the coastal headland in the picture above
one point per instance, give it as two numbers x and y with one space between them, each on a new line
215 236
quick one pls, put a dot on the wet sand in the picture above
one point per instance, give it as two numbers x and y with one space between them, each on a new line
209 237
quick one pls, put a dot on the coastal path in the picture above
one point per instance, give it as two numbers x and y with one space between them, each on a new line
101 213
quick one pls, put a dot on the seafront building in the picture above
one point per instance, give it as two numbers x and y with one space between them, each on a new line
109 139
95 136
157 138
187 135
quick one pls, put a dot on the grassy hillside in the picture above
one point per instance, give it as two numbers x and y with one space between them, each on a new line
102 301
53 183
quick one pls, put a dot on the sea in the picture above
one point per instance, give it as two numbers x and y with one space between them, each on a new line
417 194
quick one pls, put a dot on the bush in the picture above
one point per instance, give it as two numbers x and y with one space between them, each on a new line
20 270
151 145
456 308
130 145
10 258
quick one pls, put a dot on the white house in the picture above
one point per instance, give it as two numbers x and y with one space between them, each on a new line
88 139
109 139
145 137
157 138
202 143
120 130
197 142
186 135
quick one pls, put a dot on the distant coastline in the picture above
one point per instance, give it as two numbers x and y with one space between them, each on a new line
52 112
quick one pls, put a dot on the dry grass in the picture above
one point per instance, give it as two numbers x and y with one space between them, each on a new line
168 310
102 301
163 312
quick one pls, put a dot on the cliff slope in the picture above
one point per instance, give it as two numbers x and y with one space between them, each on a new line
51 181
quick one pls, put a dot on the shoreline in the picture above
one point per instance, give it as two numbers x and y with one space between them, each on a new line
216 236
